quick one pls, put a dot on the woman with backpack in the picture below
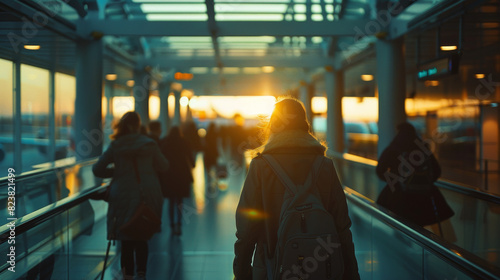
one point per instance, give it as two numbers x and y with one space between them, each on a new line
137 161
292 201
410 170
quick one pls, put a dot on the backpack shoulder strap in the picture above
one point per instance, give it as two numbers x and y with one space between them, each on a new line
287 182
282 176
313 174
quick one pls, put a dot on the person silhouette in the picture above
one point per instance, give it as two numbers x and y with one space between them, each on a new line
410 169
290 143
210 155
176 182
137 161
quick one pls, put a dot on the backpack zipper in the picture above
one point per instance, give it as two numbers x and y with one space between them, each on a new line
303 223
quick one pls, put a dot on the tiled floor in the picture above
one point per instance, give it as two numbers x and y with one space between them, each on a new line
205 248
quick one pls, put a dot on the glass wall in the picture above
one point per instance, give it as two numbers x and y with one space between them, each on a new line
35 120
34 116
65 87
6 118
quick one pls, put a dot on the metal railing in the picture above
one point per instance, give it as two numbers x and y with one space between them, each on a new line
462 260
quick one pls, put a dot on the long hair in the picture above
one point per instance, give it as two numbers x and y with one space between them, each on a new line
129 123
288 114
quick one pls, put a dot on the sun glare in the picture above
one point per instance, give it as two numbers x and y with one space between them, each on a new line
228 106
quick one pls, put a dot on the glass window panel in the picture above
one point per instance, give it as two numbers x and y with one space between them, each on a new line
396 252
173 8
181 39
199 70
39 250
64 111
251 1
299 8
167 1
329 8
6 117
300 17
316 9
177 17
317 40
436 268
317 17
248 39
249 17
250 8
35 116
190 46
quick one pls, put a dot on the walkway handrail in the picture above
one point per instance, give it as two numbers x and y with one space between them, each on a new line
39 216
456 256
442 183
486 196
40 171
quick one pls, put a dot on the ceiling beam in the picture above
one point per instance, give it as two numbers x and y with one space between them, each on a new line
78 6
212 27
224 28
332 46
50 20
185 63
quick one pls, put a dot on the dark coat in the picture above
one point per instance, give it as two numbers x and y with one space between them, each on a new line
176 182
210 150
418 208
262 195
125 191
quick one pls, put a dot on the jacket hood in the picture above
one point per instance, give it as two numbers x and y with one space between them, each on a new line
288 140
134 144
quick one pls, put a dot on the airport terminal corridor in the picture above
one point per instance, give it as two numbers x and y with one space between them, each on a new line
401 95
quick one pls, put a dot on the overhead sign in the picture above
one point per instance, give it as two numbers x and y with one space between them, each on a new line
438 68
183 76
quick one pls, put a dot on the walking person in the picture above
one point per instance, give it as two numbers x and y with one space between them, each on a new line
176 182
210 156
266 198
154 128
410 170
137 161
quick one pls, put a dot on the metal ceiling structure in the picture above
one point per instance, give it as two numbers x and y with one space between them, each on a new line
224 43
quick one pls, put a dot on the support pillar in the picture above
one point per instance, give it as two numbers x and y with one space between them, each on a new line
177 110
141 94
391 84
52 118
109 93
16 87
335 135
306 93
88 134
164 92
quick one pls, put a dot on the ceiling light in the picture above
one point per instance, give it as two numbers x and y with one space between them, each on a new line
367 77
448 48
32 47
130 83
111 77
431 83
268 69
479 76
